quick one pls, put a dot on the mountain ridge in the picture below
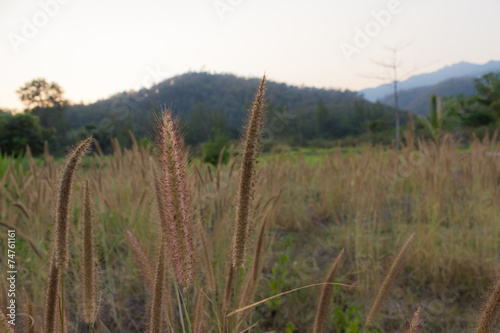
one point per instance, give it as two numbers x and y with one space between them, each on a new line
458 70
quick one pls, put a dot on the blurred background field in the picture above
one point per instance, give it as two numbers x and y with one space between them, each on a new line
367 200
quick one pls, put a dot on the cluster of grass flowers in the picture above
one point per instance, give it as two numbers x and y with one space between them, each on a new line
187 293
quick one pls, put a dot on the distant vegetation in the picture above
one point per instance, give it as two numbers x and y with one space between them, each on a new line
211 108
465 115
205 103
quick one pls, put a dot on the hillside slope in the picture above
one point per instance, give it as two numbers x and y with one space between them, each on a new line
192 94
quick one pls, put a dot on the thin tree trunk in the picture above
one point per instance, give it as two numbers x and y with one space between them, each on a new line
397 110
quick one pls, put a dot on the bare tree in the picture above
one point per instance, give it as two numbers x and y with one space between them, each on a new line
392 67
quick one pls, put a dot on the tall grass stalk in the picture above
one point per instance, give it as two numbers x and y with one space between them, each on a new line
384 289
88 261
325 297
247 176
59 255
177 214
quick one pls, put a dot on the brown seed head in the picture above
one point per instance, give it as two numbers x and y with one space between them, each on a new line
65 189
247 177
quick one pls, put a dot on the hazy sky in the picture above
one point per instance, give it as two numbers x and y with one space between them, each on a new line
96 48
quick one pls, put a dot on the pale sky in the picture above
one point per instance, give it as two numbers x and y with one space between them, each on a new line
95 48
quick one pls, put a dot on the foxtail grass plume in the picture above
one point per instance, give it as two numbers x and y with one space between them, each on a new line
88 261
247 177
141 259
29 323
174 200
416 321
59 254
489 315
325 297
382 293
65 189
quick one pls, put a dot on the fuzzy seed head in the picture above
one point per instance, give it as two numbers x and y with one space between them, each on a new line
416 321
141 259
247 177
65 189
174 200
490 313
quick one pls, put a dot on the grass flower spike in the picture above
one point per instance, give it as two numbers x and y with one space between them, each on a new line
175 202
59 255
247 177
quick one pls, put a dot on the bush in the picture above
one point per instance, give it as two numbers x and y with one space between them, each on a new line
213 148
18 131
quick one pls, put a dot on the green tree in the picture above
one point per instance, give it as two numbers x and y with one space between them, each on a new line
40 94
488 93
18 131
483 108
46 101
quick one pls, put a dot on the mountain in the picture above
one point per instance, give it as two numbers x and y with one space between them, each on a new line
204 101
462 69
416 100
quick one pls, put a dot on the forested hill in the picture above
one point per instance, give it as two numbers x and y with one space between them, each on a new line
207 101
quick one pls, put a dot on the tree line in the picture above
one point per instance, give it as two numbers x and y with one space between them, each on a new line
210 109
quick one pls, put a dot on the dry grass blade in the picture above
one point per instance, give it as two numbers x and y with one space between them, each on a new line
88 261
282 294
325 297
22 209
382 293
207 260
228 288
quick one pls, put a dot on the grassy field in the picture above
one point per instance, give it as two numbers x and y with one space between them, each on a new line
367 202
